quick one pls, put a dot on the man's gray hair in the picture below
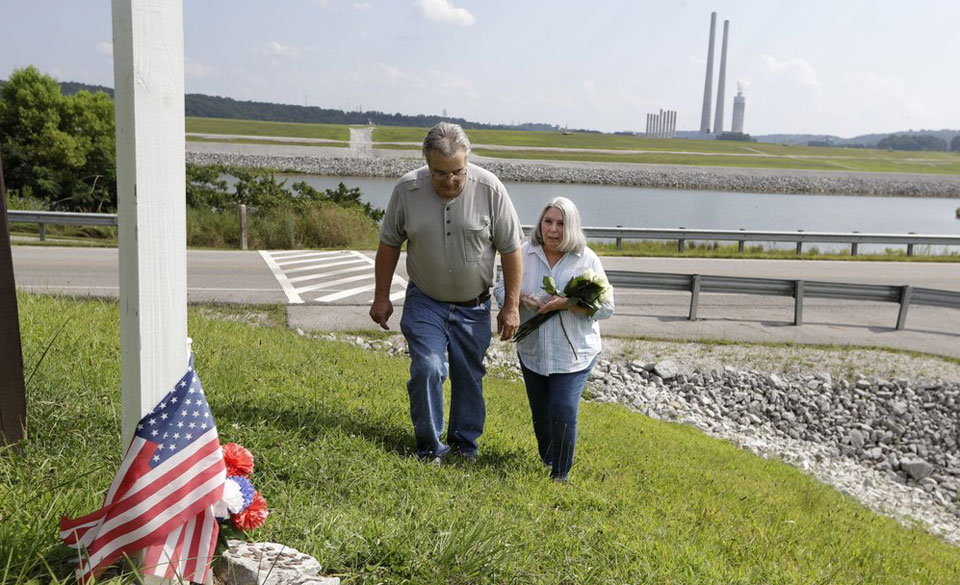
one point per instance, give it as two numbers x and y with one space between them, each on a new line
447 139
573 238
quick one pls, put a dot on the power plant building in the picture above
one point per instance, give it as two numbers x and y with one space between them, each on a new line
739 105
662 125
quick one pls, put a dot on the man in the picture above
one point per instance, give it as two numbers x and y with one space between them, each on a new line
454 217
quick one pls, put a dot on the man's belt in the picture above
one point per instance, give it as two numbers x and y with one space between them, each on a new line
474 302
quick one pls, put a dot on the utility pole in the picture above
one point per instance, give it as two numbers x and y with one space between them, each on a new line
13 395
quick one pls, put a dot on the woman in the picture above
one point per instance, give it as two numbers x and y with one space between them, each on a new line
556 360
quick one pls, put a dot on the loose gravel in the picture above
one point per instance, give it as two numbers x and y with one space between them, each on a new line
882 427
390 163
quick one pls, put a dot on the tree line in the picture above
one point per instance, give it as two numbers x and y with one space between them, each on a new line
919 142
59 154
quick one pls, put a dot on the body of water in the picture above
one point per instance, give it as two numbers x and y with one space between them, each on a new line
603 206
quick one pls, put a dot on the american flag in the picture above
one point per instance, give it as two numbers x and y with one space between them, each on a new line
161 499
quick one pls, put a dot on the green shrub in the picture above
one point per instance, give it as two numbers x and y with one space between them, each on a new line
319 225
322 225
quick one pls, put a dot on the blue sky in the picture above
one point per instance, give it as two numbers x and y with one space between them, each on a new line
843 67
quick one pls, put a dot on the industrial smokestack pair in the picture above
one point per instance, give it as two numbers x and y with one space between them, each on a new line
708 84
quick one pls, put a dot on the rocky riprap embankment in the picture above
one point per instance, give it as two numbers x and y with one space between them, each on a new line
891 443
393 164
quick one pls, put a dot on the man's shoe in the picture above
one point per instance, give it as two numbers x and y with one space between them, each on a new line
435 461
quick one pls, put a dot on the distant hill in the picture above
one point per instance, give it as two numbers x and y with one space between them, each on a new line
206 106
864 140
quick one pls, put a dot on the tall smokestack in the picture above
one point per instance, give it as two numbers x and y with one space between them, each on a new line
718 118
708 84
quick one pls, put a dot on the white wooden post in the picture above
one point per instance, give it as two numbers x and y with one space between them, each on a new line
151 182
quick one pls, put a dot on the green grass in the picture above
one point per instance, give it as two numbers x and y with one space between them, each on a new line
656 151
267 141
260 128
649 502
685 152
891 165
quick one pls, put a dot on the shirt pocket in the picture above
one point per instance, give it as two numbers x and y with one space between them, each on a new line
476 239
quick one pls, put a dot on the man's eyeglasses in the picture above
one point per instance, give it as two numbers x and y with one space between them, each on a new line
444 175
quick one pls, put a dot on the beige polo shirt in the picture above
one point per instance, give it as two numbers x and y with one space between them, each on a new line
451 245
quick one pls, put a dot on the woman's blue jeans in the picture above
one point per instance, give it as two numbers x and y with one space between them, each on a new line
555 404
437 332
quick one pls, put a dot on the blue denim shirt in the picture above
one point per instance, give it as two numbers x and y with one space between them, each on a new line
547 350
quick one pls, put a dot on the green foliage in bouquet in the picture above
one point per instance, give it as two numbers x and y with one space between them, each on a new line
588 291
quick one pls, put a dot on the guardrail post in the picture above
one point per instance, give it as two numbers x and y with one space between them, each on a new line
243 226
681 242
694 296
798 302
740 245
42 231
799 245
905 294
910 246
619 241
853 246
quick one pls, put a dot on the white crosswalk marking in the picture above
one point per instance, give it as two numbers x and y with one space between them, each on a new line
327 277
317 275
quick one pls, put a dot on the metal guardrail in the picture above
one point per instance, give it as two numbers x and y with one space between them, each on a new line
615 233
695 284
60 217
800 237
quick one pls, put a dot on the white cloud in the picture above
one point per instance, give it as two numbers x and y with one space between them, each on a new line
452 85
105 48
396 76
194 69
362 6
445 11
871 95
796 68
275 49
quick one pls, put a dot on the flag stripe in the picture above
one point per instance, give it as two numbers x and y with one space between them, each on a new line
185 543
149 533
207 461
208 545
121 482
170 504
134 506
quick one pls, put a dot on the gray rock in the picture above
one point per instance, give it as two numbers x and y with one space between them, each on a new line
916 468
666 369
856 439
268 563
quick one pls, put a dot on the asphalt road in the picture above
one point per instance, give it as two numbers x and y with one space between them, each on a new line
245 277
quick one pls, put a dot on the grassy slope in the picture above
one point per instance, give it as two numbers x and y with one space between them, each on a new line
676 151
267 141
689 152
260 128
648 502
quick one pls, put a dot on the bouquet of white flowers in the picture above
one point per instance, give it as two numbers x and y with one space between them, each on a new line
588 291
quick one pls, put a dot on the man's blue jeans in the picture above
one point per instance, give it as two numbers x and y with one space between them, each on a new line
555 404
435 330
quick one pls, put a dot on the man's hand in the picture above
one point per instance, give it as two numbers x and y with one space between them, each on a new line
508 320
383 268
380 311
